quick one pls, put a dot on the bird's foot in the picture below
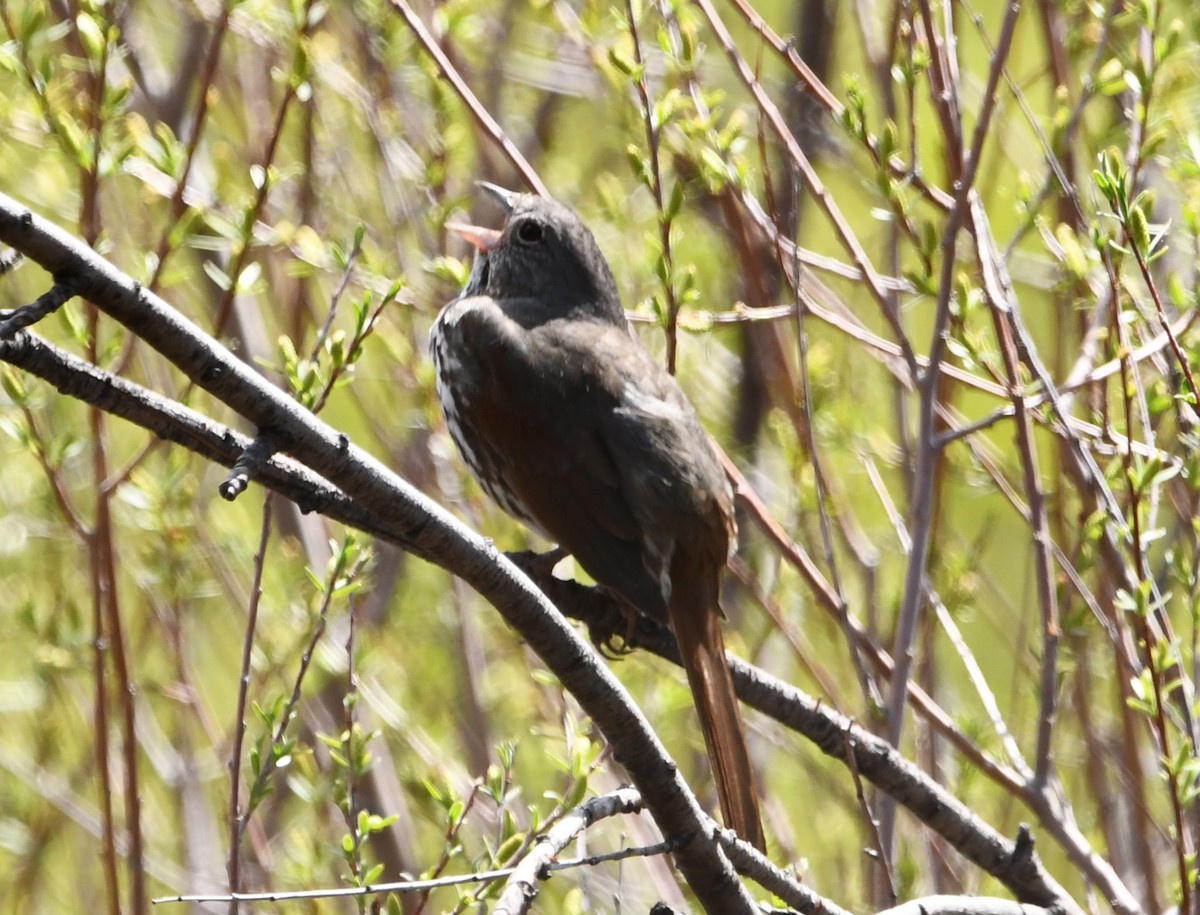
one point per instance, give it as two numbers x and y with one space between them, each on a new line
614 641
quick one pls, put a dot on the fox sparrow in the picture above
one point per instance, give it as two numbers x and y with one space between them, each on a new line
572 427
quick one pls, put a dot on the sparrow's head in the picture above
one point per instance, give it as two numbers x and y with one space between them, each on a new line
543 251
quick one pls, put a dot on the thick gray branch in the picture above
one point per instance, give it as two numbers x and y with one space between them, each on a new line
424 528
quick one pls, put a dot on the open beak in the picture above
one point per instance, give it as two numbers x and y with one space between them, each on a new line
507 199
481 238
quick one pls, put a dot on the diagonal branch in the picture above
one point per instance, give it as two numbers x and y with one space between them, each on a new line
422 527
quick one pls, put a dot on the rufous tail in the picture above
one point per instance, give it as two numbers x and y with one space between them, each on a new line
698 632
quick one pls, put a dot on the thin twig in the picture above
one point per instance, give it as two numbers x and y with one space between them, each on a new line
646 109
812 181
47 303
236 817
482 116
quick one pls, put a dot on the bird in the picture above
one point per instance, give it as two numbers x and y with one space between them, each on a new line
572 427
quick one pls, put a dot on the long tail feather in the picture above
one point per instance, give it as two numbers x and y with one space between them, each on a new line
698 632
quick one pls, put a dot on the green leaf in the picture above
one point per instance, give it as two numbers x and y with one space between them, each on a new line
91 35
508 848
579 790
1110 79
1139 230
219 277
675 203
629 67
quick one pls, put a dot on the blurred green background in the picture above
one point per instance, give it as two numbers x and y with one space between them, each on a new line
231 155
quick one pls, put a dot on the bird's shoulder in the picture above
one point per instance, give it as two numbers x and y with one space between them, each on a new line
518 341
514 339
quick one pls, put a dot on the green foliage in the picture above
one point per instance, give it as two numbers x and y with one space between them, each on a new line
292 200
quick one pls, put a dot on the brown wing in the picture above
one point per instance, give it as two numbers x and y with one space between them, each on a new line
539 398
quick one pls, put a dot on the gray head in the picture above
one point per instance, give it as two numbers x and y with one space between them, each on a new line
545 252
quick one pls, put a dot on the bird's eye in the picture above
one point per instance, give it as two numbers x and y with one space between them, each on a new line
529 232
